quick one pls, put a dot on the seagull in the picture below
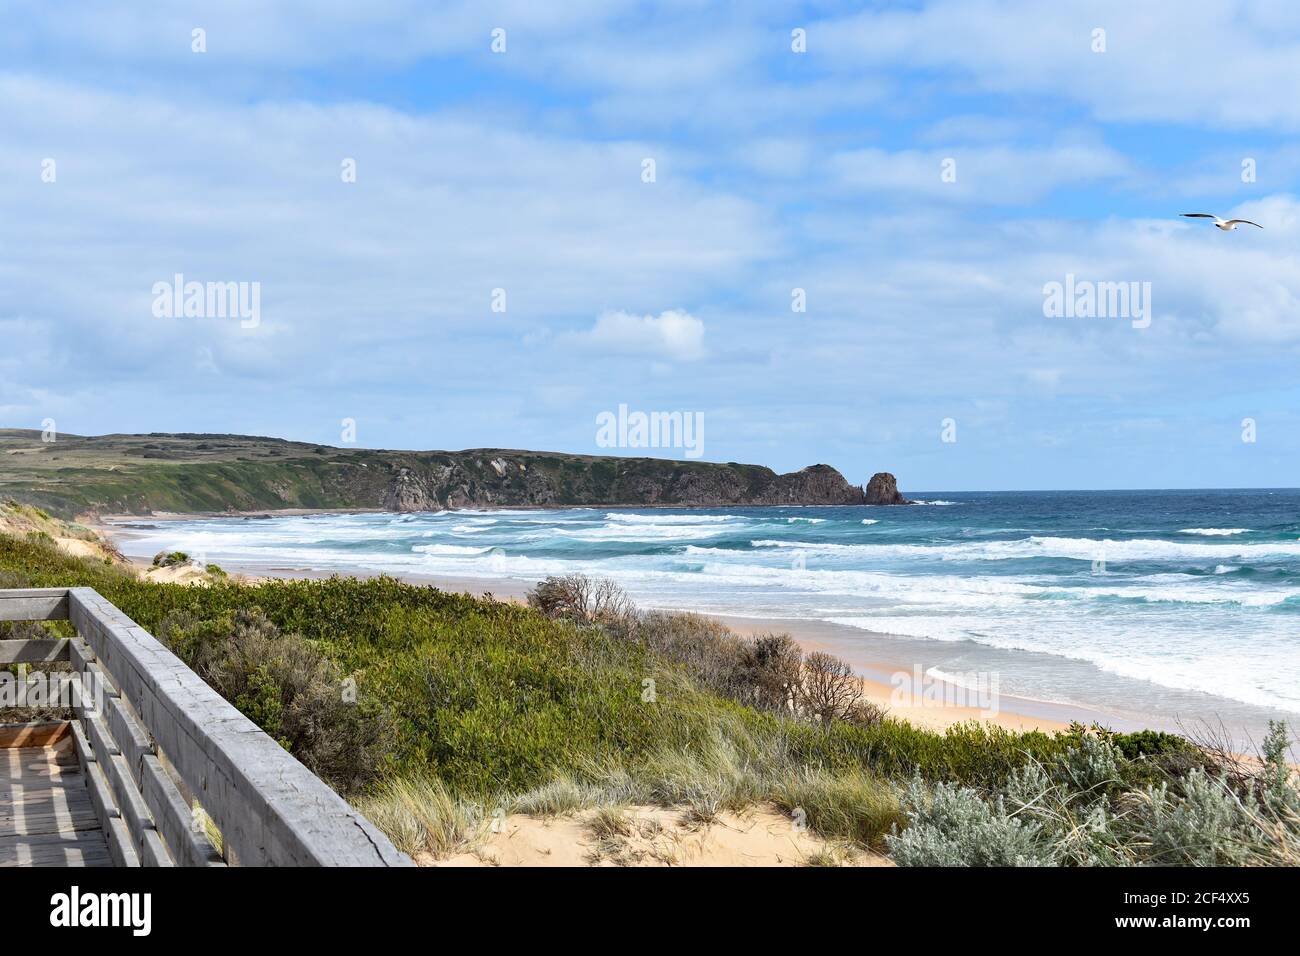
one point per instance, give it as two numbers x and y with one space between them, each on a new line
1226 225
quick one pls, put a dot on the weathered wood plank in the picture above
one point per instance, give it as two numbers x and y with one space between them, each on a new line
270 808
79 848
34 604
49 821
71 797
157 797
144 836
40 733
85 756
12 771
55 856
127 734
114 828
174 818
83 662
116 833
47 816
34 651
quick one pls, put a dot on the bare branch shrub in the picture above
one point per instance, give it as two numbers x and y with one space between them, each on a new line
828 688
583 600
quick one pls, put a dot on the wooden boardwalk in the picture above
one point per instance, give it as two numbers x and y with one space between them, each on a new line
154 762
46 815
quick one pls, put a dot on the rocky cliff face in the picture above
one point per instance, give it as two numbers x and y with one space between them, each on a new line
425 483
882 489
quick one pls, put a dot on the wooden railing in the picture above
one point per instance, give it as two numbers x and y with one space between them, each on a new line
158 742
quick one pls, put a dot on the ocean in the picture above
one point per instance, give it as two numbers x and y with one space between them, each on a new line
1168 606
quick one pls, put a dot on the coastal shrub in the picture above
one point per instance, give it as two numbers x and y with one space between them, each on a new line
1073 810
771 669
864 713
955 826
707 648
290 690
828 690
580 599
1276 779
1091 766
170 559
1207 825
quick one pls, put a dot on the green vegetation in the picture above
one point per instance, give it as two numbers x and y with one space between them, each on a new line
140 474
435 712
1079 810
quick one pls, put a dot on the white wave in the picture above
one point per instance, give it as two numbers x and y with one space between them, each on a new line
449 549
736 569
1214 532
871 521
682 519
642 532
809 520
1082 549
938 501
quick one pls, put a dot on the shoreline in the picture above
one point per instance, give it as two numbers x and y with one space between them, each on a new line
918 679
100 521
884 682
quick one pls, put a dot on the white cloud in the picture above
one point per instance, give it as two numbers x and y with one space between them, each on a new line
1224 65
987 174
675 334
445 209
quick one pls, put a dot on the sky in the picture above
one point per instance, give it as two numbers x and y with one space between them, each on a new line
825 228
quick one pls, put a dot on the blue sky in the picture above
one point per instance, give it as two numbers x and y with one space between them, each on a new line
775 170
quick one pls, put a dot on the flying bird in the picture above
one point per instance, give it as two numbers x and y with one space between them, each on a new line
1227 225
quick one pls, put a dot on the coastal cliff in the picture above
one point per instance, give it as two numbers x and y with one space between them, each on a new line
502 479
139 474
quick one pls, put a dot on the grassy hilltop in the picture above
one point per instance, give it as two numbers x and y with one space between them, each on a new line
136 474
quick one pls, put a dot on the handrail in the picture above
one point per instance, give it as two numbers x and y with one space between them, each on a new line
158 719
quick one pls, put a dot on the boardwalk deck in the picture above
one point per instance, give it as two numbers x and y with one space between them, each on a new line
46 815
156 758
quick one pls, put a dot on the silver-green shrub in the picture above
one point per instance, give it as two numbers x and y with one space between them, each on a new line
955 826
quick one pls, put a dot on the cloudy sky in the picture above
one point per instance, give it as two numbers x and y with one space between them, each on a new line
920 172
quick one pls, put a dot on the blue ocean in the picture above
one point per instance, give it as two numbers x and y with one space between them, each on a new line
1164 602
